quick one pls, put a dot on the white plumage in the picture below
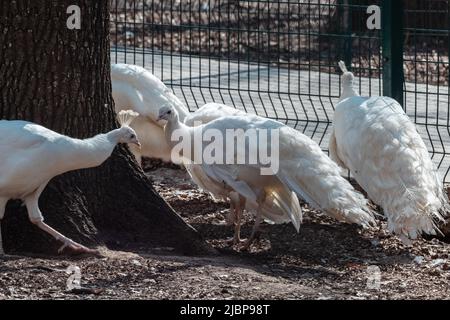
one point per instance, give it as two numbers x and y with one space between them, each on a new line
31 155
136 88
273 208
304 170
377 142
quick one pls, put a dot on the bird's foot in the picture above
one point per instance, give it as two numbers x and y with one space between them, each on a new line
230 219
229 241
76 248
245 245
233 241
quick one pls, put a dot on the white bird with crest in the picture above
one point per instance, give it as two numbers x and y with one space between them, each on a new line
272 209
374 138
304 170
136 88
31 155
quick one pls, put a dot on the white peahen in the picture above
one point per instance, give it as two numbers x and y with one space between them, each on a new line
379 144
272 209
31 155
136 88
303 170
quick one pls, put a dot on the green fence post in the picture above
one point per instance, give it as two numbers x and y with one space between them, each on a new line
392 48
348 33
344 9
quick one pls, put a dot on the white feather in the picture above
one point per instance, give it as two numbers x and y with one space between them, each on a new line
280 205
304 169
136 88
379 144
31 155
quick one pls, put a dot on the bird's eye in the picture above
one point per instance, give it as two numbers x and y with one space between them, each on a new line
133 136
169 112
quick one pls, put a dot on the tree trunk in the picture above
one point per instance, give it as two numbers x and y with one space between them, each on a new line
60 78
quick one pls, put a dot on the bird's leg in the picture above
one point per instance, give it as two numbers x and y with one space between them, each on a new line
237 222
2 252
255 231
2 213
67 243
237 205
36 218
260 200
231 216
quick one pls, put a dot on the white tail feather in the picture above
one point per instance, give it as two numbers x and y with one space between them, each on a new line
125 117
331 193
414 212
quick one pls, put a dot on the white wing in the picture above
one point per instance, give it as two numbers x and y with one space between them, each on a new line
380 145
138 89
280 205
304 168
332 147
29 155
209 112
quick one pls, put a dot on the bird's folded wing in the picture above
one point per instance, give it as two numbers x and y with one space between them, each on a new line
227 174
281 206
147 93
213 187
23 135
209 112
332 146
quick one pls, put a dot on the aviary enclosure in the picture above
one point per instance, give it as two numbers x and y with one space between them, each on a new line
149 230
279 59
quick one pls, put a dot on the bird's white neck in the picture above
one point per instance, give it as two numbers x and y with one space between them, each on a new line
183 130
88 153
347 86
182 114
348 92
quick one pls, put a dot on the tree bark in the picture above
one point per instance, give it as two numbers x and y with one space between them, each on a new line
60 78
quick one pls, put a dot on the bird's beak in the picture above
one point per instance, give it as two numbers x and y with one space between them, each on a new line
138 144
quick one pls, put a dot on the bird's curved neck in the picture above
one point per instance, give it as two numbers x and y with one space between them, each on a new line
91 152
174 129
170 127
348 90
182 114
113 136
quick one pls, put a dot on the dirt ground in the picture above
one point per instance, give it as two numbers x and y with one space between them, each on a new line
326 260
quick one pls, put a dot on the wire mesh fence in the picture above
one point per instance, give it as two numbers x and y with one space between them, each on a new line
426 56
279 59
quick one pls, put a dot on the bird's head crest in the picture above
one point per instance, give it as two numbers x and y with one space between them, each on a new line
125 117
342 66
347 76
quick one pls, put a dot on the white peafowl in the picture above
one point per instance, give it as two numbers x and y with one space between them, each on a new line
303 169
136 88
31 155
379 144
272 209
